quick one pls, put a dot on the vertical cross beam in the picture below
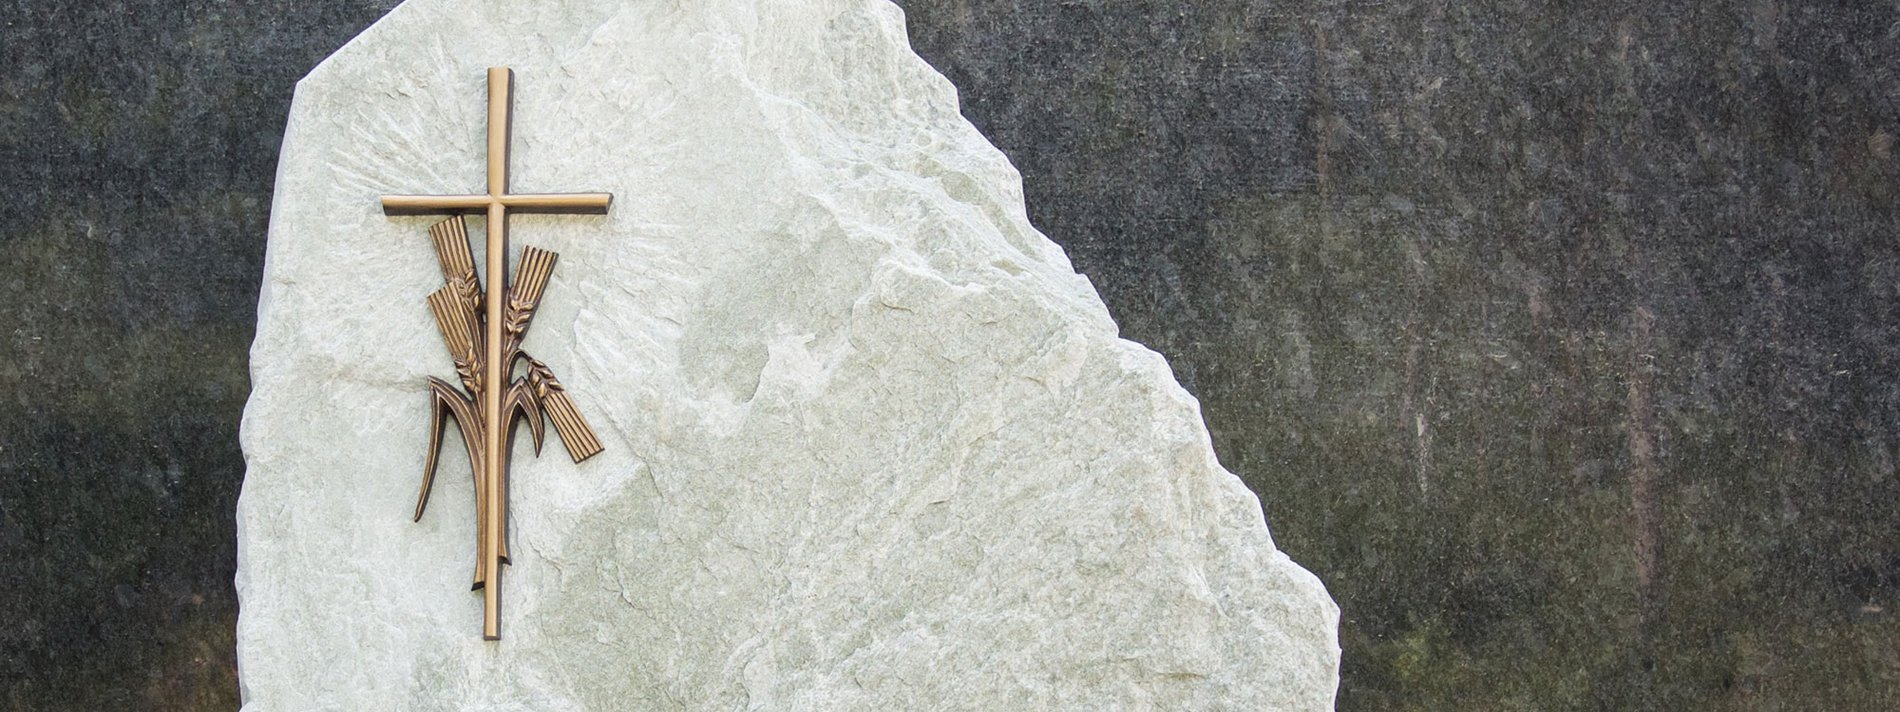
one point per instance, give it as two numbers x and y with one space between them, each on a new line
500 110
492 489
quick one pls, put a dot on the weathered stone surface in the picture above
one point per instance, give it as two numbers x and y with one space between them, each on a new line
871 442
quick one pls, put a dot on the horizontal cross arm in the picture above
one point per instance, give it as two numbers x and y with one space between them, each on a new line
433 204
586 203
591 203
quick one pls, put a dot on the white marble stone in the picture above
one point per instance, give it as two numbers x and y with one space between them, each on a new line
871 443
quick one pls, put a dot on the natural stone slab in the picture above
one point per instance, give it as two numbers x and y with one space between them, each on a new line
871 442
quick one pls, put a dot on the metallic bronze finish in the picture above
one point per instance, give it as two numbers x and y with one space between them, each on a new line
483 330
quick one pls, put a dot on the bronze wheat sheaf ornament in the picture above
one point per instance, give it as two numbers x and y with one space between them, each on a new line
483 330
536 397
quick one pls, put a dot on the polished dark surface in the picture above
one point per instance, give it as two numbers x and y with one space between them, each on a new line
138 141
1558 339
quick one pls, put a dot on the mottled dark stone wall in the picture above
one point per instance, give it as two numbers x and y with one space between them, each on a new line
138 140
1558 339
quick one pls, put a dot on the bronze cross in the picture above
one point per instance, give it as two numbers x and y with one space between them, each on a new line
486 344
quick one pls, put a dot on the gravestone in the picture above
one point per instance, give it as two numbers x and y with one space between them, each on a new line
868 441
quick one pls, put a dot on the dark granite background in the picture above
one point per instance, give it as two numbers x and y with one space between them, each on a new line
1559 339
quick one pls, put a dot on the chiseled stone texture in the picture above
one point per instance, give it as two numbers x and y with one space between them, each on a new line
871 442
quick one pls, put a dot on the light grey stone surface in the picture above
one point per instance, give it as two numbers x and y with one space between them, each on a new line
871 442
